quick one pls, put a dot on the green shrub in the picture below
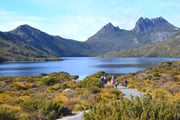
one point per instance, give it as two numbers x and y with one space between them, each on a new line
46 110
92 82
49 81
6 114
53 110
156 74
31 105
144 108
20 86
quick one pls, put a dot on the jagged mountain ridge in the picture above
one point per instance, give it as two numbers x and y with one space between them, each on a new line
146 31
109 28
147 25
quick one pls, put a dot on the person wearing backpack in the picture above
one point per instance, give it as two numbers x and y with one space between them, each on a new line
125 82
112 80
116 83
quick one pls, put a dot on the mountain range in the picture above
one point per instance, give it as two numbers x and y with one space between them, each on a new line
28 43
168 48
146 31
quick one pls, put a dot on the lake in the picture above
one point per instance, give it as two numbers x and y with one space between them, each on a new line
81 66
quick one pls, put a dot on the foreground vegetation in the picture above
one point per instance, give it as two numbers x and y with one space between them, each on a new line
161 101
144 108
51 96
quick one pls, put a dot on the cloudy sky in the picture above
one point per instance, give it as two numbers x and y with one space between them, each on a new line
79 19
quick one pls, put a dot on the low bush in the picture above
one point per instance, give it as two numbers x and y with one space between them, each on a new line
53 110
6 114
49 81
92 83
144 108
46 110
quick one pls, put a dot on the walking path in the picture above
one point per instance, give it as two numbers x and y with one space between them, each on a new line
127 92
77 116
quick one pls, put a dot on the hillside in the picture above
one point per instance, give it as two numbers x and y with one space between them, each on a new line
55 45
16 50
28 43
169 48
111 38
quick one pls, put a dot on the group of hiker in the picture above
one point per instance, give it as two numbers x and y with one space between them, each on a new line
113 81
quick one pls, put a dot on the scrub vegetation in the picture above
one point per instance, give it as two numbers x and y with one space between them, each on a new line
50 96
161 85
54 95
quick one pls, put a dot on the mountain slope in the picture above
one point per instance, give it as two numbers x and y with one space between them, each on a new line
111 38
169 48
16 50
146 31
51 44
28 40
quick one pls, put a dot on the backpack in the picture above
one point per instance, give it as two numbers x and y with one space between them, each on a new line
112 81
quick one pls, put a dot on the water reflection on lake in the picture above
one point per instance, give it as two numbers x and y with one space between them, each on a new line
81 66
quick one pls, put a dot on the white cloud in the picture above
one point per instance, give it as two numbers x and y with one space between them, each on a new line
82 27
72 27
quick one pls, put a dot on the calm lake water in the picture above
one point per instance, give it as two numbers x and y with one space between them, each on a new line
81 66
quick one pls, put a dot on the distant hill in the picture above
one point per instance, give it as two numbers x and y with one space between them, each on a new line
146 31
27 43
55 45
168 48
13 49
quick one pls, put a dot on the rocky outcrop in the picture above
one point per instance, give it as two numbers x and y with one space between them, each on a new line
109 28
149 25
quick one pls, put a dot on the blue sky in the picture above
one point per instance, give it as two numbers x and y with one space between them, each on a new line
79 19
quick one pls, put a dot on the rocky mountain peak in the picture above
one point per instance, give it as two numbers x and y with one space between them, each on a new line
24 29
158 20
147 25
109 28
143 24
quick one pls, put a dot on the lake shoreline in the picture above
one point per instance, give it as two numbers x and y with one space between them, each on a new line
81 66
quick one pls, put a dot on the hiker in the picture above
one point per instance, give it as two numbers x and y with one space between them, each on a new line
125 82
112 80
102 78
116 83
105 80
